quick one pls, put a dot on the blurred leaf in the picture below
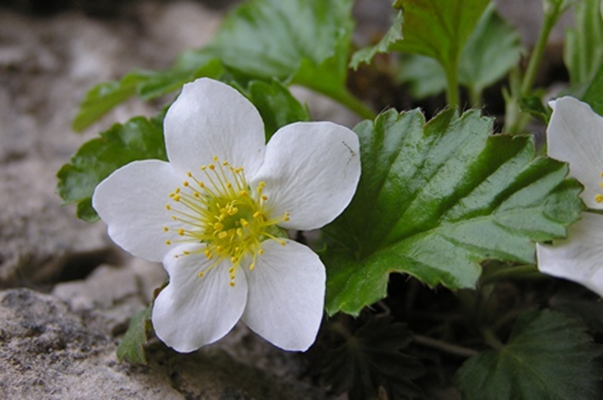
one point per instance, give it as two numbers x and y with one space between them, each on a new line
276 105
131 347
371 358
583 52
137 139
594 92
438 28
492 49
436 199
392 36
548 356
302 42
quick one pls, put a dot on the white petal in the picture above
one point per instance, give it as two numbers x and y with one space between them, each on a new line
131 201
575 135
311 170
190 311
578 258
286 295
212 119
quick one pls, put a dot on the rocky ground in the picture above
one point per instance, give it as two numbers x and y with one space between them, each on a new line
66 293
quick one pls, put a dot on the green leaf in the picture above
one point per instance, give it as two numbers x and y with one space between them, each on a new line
137 139
424 75
393 35
104 96
276 105
438 28
492 49
548 356
146 84
534 106
131 347
583 52
372 358
594 92
302 42
436 199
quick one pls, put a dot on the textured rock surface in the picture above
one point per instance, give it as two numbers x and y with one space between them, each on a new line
48 352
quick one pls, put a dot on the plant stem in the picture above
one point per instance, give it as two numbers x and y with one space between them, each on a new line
452 90
491 339
518 120
352 103
445 347
543 37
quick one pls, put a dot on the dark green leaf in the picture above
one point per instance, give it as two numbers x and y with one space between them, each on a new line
371 358
547 357
131 347
583 52
137 139
276 105
436 199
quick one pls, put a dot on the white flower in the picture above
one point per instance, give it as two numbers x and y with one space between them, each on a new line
212 215
575 135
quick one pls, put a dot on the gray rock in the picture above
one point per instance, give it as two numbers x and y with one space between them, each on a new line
48 352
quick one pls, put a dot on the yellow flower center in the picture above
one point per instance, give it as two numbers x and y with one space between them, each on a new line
598 196
220 210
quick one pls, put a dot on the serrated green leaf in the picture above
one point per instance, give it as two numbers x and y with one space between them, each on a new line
492 49
137 139
436 199
371 358
583 52
131 346
392 36
276 105
548 357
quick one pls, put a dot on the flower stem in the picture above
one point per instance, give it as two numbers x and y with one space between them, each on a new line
445 347
518 120
351 102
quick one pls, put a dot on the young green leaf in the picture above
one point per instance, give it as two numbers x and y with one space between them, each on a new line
492 49
548 356
131 347
372 358
436 199
438 28
393 36
583 52
137 139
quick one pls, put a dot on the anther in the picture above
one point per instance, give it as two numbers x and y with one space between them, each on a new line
599 198
168 242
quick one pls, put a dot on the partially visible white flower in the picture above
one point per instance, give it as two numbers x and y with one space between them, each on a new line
575 136
212 214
